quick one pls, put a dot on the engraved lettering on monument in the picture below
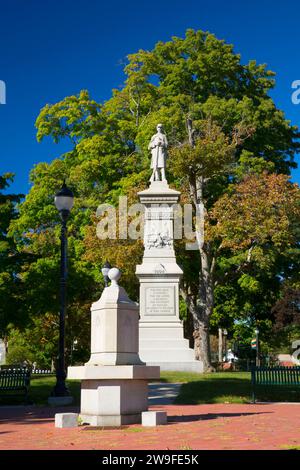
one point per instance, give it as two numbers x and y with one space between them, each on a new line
160 300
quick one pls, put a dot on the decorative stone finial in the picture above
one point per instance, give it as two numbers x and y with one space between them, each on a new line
114 275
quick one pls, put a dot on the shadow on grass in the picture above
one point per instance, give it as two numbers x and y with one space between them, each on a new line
39 391
228 387
215 389
222 389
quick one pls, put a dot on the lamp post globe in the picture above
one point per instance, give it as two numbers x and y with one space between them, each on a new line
64 201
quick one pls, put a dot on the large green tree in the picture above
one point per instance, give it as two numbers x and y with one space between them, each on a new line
257 236
221 125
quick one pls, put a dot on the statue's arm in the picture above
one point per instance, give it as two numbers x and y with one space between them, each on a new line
151 144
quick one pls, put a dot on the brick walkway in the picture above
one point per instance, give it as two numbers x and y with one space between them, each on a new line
267 426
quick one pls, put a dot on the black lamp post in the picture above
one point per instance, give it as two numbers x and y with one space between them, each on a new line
257 347
64 201
105 271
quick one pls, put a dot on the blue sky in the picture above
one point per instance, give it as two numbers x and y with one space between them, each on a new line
50 49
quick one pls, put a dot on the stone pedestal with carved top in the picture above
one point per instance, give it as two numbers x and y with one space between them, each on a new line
114 382
161 330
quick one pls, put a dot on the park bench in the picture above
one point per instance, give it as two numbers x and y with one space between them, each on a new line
274 376
15 380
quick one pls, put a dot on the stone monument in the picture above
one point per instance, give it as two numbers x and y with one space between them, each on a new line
161 331
114 387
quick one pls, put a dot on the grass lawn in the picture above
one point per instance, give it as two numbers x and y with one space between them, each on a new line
225 387
219 387
40 389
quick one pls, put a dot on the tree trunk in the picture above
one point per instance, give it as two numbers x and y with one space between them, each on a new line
201 307
205 297
201 331
202 345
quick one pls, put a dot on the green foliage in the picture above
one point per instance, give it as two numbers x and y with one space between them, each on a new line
212 154
249 284
221 125
35 343
182 310
11 260
19 351
73 117
227 307
261 215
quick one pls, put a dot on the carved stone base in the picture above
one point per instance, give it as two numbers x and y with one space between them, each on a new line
113 395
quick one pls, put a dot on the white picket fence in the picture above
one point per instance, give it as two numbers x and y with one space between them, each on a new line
34 371
42 371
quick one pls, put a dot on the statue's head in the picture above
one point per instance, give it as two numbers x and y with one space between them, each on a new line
159 127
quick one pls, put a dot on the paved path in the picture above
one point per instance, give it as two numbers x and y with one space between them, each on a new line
263 426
